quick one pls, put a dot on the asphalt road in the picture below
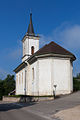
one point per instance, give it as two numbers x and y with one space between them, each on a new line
11 111
43 110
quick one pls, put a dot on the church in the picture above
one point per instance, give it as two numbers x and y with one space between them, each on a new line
43 71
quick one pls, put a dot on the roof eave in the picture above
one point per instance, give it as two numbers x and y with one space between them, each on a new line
57 55
22 65
30 37
35 57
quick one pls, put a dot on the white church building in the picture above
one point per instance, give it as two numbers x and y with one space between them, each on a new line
43 70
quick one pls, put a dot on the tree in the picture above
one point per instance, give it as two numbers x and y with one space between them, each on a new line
1 89
7 85
78 75
76 82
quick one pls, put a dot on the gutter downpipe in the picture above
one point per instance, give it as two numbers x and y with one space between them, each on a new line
25 81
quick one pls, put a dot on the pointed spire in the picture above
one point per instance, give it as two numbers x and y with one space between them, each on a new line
30 30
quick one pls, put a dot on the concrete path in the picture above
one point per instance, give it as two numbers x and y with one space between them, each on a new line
69 114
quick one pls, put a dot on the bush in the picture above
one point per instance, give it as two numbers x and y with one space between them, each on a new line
76 84
7 85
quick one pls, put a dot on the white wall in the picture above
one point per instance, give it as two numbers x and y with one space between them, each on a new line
20 83
55 71
47 73
28 43
62 75
33 83
45 76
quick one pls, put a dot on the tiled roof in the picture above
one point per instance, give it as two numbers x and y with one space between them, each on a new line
54 48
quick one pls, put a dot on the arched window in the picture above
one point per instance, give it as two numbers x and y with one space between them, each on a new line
22 78
32 50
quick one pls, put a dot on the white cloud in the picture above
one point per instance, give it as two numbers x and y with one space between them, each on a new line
69 35
3 73
66 34
15 53
45 39
10 58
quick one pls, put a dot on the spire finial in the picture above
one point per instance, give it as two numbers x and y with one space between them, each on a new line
30 11
31 18
30 30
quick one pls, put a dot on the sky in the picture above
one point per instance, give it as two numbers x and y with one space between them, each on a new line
53 20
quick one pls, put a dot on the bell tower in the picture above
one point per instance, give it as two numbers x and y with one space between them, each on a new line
30 41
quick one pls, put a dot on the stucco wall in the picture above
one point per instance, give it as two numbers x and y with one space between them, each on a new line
20 82
33 83
28 43
48 72
62 75
45 76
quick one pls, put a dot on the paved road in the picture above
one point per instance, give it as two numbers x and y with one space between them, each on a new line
38 111
11 111
49 108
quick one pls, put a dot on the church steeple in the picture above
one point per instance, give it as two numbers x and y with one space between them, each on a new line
30 31
30 41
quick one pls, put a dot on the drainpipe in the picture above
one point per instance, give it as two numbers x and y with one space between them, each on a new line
25 83
25 78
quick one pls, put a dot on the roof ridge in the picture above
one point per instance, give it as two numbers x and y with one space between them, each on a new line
53 48
60 46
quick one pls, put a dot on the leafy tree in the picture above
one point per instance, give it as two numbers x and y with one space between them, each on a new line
76 82
78 75
1 89
7 85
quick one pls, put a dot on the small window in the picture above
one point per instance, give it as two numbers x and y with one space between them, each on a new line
19 79
32 50
16 79
32 74
22 77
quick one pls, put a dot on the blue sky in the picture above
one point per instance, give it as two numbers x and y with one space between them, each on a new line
57 20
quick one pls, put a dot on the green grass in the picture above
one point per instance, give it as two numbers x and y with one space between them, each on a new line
28 96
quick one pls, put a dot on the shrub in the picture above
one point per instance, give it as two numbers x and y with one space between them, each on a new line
76 84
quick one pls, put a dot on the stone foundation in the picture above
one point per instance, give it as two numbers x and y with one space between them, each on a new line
26 99
11 99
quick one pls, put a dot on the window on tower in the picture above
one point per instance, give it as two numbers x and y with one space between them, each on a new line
32 50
